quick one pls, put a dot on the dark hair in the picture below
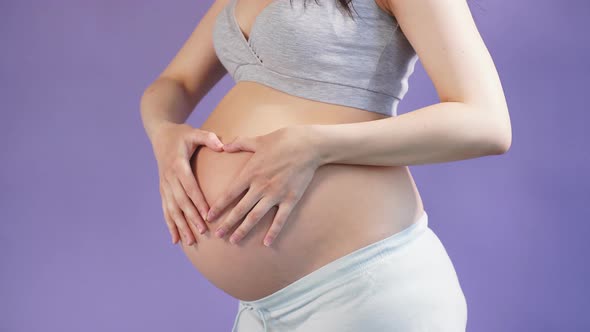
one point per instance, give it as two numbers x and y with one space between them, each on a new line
344 4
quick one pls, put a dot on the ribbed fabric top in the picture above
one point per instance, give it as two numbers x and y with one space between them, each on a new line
318 52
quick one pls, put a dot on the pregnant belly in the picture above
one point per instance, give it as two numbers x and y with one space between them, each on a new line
345 207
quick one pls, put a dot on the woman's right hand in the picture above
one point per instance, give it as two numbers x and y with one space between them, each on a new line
174 145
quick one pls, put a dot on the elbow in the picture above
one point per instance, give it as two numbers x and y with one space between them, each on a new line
146 93
502 144
500 138
493 132
504 133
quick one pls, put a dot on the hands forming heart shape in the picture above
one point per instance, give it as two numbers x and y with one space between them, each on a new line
277 174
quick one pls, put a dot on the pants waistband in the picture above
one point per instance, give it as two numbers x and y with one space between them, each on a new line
339 269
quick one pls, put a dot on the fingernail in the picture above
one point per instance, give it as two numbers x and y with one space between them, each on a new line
233 239
220 232
267 241
201 229
210 215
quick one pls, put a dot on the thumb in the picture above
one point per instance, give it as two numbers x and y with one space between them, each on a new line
241 144
209 139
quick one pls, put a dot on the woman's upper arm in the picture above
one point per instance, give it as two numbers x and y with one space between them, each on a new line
451 50
196 64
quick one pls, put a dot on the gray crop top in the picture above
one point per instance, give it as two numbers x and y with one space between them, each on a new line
318 52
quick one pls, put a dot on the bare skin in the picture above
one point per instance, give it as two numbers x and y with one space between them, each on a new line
344 207
361 193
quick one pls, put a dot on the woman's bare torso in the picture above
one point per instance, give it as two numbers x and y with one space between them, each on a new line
345 207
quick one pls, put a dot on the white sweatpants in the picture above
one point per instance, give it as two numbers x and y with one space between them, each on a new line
403 283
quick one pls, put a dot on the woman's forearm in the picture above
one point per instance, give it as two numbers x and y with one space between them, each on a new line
442 132
164 101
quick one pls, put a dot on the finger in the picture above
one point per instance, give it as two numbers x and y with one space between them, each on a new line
191 188
170 223
231 193
166 204
177 215
194 231
210 139
263 206
239 211
278 222
241 143
185 204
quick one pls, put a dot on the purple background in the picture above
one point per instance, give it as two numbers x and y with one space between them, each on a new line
83 244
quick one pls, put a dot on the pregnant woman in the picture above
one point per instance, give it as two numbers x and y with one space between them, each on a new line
294 196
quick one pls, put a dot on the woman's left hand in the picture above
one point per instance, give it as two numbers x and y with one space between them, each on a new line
278 173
